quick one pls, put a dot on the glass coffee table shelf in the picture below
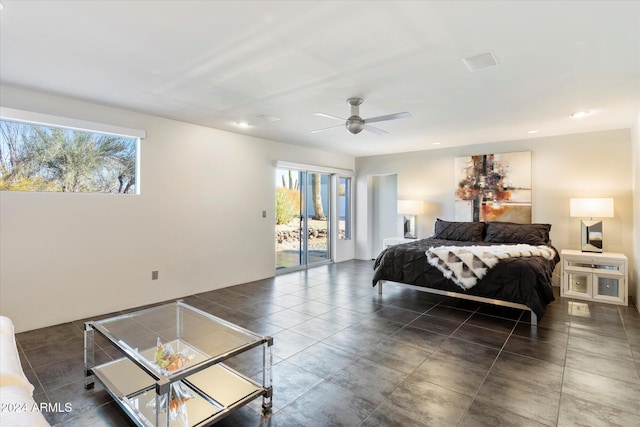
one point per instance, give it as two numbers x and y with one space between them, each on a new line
172 361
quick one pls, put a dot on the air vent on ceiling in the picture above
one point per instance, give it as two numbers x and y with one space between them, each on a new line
480 62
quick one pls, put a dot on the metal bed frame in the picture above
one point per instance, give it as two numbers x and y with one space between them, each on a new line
502 303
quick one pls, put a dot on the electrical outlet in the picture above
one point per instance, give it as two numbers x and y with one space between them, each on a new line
264 214
154 275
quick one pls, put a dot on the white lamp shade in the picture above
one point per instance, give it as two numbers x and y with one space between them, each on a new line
591 208
410 207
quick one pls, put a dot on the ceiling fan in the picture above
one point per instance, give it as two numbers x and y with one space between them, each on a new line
355 124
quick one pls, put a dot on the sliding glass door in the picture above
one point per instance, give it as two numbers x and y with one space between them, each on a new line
289 219
317 216
302 218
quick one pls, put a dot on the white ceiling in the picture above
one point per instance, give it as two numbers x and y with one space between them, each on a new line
218 62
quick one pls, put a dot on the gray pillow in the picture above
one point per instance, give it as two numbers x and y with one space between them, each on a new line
509 232
461 231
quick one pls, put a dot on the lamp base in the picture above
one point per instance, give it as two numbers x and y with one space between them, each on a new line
410 227
591 236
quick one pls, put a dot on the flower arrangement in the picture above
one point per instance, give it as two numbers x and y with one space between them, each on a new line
167 359
179 394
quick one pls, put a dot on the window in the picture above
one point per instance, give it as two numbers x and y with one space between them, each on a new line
36 157
344 208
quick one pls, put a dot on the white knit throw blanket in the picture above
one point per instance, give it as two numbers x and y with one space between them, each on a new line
464 265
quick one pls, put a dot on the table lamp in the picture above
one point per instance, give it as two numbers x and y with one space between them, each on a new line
591 230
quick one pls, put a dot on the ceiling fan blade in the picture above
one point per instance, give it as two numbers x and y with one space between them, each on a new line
388 117
329 116
323 129
375 130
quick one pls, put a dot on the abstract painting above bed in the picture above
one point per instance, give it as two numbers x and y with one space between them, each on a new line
494 187
524 279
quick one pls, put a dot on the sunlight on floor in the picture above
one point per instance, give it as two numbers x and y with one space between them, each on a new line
579 309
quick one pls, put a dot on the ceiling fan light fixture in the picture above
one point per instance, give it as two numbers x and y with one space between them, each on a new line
354 125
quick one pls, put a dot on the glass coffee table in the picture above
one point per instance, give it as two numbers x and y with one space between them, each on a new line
171 372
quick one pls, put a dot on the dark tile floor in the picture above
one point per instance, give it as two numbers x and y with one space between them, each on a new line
345 356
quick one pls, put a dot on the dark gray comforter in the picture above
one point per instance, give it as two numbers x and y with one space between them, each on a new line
525 280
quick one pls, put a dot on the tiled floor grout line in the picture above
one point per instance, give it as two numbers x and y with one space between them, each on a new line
417 367
473 399
414 370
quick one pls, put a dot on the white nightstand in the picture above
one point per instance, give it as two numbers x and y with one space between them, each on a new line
594 276
390 241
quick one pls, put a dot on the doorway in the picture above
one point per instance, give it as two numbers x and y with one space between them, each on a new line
303 212
384 216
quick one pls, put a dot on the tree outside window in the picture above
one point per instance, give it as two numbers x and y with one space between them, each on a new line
47 158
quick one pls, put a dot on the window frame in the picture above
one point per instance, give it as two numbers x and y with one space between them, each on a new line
40 119
348 220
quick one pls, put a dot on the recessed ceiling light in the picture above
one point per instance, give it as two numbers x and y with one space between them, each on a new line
580 114
533 131
437 143
243 125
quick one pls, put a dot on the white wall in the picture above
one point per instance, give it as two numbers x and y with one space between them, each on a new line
383 209
635 278
198 221
581 165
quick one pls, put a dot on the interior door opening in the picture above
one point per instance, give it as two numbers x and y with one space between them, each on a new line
384 216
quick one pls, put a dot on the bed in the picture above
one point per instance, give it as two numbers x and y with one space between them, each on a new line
520 279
